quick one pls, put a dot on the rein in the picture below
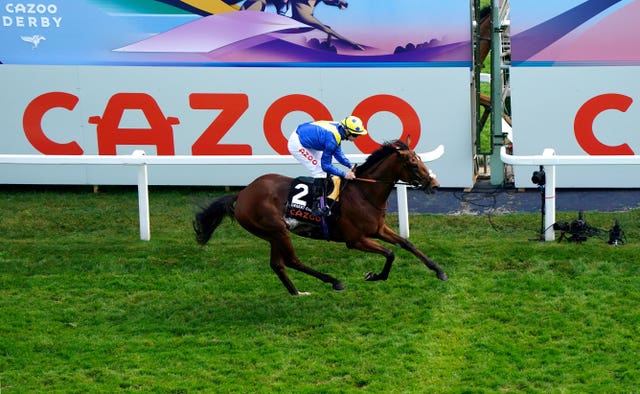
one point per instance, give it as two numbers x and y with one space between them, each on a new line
416 183
369 180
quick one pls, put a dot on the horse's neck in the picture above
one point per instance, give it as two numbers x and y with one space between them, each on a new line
384 178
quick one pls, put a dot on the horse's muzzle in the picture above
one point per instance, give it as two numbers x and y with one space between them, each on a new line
431 187
427 185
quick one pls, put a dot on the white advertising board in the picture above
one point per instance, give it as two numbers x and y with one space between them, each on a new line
178 77
222 110
578 111
575 87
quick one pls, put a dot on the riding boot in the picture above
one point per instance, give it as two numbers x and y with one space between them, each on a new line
318 208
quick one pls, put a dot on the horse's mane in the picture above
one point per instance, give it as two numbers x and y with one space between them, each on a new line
383 152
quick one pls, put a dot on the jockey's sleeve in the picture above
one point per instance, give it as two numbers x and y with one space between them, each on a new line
327 165
342 159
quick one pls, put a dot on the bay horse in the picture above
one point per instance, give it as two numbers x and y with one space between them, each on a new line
260 208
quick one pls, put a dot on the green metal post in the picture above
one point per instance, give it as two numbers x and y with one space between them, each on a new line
497 139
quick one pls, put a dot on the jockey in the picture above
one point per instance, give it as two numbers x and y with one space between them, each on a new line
315 144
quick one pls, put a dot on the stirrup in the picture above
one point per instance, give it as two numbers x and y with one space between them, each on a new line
317 211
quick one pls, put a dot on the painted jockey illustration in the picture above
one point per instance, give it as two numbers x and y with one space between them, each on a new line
301 10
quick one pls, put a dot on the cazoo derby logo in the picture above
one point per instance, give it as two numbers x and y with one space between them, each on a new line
32 20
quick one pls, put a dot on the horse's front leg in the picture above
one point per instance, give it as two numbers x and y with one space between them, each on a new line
370 246
388 235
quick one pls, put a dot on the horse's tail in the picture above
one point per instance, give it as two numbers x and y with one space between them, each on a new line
207 220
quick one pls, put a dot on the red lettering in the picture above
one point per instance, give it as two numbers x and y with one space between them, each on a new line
313 218
395 105
587 114
272 123
32 123
110 134
232 107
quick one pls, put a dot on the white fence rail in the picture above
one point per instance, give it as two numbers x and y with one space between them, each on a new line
139 159
549 160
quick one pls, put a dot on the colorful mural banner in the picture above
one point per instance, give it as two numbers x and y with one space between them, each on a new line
375 33
575 32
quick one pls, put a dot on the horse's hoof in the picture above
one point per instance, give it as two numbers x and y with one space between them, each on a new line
371 276
338 286
443 277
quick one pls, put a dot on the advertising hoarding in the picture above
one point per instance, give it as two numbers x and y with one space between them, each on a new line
182 78
575 86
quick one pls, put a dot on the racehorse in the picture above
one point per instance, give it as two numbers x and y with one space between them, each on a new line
260 207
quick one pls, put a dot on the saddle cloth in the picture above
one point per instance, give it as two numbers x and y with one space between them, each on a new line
298 215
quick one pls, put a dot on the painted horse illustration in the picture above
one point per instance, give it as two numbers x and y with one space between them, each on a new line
302 11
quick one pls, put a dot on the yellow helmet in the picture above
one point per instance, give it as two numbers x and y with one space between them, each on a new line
353 125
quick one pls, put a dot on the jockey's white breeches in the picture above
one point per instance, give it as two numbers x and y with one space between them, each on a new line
310 158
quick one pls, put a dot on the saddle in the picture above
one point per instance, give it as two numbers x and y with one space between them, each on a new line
298 211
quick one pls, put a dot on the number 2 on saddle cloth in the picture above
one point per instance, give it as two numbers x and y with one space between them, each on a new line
300 201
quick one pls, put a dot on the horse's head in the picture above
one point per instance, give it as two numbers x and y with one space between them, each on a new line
403 165
414 171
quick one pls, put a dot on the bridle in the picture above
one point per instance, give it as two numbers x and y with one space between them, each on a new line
416 183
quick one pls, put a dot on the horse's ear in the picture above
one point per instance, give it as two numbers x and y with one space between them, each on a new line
409 141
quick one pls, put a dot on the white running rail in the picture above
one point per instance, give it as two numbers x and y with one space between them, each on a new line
549 160
141 160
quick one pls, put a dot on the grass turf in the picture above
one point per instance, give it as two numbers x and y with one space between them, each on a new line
88 307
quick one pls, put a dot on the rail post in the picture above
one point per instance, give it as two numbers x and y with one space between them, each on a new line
403 210
143 197
549 197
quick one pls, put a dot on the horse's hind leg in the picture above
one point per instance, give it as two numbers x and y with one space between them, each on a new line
291 260
277 265
297 265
